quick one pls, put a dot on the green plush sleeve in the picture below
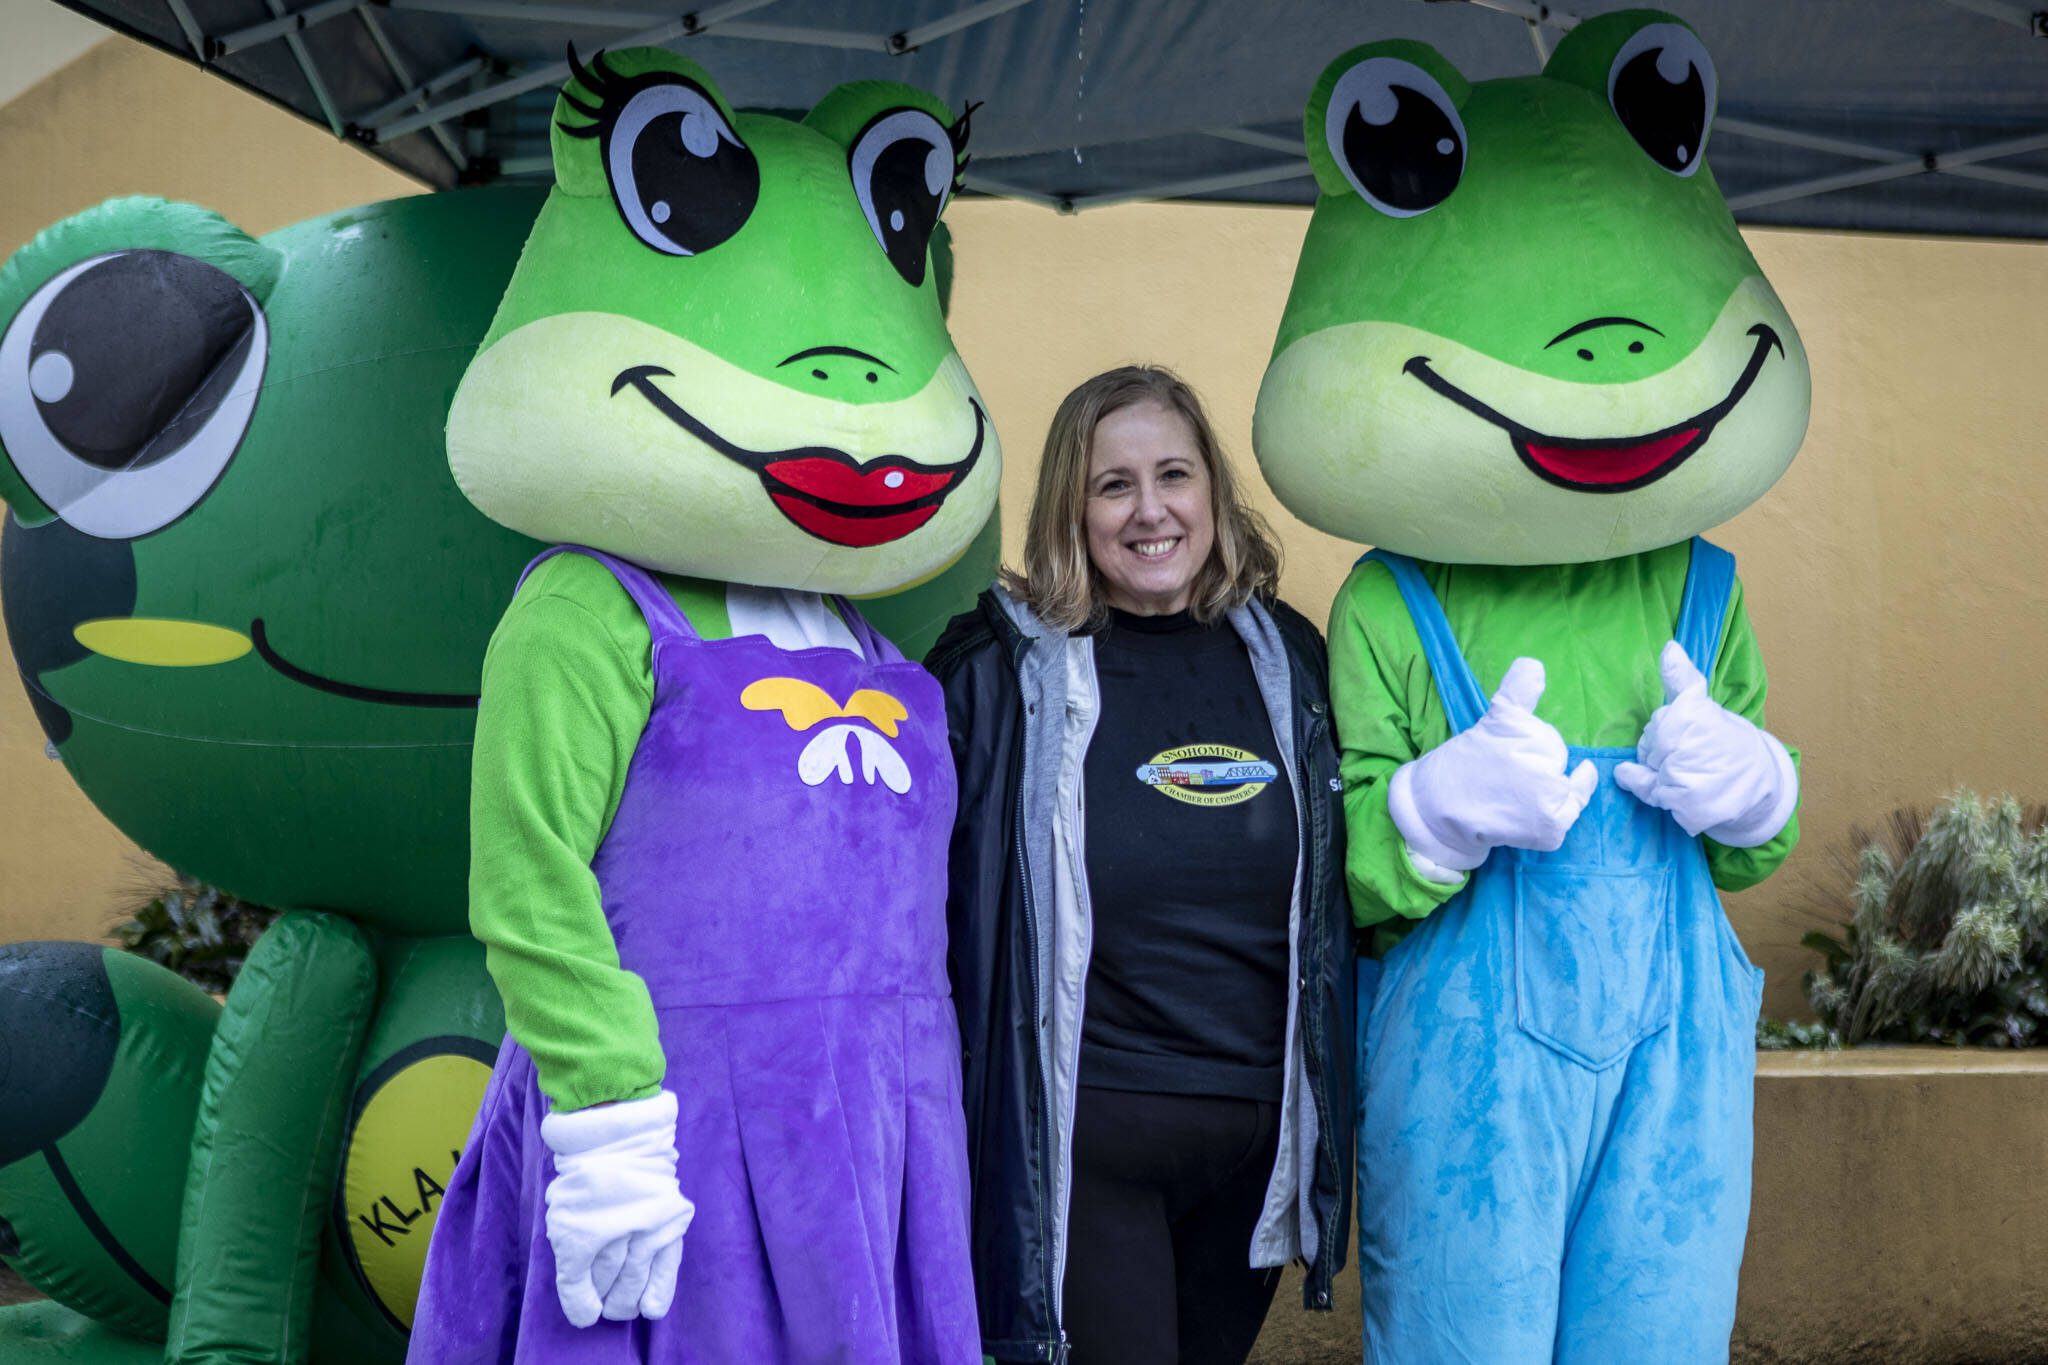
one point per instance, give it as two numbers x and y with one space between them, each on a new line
1739 683
1386 711
567 688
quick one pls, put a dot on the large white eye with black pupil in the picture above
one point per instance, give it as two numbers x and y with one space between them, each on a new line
126 385
1663 90
902 166
681 178
1396 135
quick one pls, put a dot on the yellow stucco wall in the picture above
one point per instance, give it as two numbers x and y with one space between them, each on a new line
1898 575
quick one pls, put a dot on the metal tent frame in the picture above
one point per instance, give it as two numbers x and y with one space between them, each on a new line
481 112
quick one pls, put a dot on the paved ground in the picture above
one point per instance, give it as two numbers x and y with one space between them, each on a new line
1294 1336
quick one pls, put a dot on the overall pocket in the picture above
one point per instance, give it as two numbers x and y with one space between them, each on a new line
1593 950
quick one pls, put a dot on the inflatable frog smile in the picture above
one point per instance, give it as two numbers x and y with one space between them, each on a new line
1524 329
633 381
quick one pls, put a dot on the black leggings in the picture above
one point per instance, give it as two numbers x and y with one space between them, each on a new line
1167 1191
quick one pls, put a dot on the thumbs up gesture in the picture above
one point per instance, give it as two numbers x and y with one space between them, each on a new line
1502 781
1717 773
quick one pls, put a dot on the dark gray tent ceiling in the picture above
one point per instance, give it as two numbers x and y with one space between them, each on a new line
1902 115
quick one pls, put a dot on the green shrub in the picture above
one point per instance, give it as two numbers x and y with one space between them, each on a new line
198 931
1779 1035
1947 937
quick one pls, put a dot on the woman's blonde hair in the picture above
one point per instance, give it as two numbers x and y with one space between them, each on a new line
1059 582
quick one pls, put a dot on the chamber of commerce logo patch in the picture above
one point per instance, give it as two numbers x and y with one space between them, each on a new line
1207 774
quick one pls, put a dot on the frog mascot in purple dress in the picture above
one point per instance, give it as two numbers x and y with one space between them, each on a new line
710 805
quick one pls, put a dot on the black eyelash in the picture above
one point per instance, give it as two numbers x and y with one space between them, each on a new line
599 79
957 135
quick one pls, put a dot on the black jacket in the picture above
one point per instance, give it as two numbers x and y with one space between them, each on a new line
994 933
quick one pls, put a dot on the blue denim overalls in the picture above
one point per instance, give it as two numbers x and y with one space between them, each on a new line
1555 1079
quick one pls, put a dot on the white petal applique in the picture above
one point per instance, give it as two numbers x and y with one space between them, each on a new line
878 757
827 754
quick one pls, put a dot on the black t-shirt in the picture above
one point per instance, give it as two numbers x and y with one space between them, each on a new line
1191 850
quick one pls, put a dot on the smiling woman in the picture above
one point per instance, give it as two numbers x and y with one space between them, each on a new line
1136 500
1147 808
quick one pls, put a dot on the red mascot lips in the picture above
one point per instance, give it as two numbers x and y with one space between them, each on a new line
855 505
1607 465
824 491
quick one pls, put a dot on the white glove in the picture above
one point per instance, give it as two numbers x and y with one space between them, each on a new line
616 1216
1716 773
1500 782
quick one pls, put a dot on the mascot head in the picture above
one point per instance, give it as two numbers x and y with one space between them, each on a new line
1524 329
723 351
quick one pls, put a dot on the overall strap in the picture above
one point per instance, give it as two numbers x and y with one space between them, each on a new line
664 617
1463 702
1708 581
877 647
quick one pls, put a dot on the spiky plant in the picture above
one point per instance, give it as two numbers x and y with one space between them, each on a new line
198 931
1947 937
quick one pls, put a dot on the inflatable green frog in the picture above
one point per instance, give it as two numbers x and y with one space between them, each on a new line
250 606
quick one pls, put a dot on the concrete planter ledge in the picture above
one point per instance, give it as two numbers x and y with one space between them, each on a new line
1900 1210
1899 1214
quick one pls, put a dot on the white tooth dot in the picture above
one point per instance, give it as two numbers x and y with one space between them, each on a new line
660 212
1444 146
50 377
893 479
896 220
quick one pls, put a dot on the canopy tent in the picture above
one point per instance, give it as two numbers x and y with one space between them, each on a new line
1902 115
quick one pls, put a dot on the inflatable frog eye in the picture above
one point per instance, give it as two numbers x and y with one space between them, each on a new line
127 382
1663 89
904 165
680 176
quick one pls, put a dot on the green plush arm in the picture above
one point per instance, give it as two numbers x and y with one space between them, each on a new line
1739 683
1374 702
267 1142
567 687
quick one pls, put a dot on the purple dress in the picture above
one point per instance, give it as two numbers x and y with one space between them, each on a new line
776 873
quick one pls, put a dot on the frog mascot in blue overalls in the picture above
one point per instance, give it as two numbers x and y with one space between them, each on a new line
1528 358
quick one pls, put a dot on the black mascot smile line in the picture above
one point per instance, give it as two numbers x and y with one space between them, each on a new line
1642 460
802 481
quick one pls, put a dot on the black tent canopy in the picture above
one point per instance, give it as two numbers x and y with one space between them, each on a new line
1903 115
